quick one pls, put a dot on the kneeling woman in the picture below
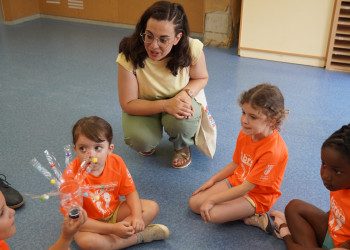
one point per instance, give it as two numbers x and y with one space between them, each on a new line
160 70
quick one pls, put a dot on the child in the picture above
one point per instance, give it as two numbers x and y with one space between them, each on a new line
112 223
249 185
8 228
310 227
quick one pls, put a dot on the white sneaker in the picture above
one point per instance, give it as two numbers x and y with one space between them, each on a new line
155 232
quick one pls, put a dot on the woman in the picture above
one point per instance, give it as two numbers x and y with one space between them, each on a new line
160 71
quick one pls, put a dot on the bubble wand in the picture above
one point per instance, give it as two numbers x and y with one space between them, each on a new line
52 161
70 200
53 180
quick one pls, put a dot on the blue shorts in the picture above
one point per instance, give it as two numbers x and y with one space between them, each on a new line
328 242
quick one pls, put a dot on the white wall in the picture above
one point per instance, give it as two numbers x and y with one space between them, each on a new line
293 31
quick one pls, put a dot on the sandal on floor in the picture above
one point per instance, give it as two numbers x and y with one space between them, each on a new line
151 152
182 155
263 221
280 222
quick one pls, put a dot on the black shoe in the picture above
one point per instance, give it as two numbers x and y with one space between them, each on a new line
13 198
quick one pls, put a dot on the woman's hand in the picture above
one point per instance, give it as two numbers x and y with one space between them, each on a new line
205 186
179 106
71 226
205 208
123 229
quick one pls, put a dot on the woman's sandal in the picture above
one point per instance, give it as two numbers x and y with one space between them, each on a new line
182 155
280 222
151 152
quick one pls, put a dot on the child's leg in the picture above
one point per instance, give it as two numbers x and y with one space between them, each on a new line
87 240
197 200
307 223
149 211
228 211
237 209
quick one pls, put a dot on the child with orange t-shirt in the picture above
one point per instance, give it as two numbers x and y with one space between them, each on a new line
305 226
112 223
248 186
8 229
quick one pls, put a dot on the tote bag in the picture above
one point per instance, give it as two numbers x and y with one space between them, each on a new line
205 139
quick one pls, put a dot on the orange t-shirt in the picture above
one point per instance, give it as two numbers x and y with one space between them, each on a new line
338 227
3 245
115 171
262 163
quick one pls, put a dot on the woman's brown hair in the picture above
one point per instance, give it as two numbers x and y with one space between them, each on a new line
133 46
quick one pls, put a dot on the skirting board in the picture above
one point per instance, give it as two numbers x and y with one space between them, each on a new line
283 57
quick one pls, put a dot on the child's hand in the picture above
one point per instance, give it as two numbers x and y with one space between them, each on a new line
205 208
71 226
205 186
137 223
124 229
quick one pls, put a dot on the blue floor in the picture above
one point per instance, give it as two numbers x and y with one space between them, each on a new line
52 73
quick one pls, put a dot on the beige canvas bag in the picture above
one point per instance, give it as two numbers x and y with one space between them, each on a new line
205 138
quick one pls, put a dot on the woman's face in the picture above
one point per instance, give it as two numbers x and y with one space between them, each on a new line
160 38
7 220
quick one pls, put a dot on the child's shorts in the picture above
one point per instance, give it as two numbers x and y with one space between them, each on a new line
328 242
250 200
113 217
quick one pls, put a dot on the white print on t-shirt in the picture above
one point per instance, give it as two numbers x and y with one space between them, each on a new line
129 175
337 217
107 198
247 160
266 172
102 203
99 206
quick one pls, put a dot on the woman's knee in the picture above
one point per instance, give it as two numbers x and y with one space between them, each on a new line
141 143
142 133
187 127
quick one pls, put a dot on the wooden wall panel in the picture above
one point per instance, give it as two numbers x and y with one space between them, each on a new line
118 11
16 9
101 10
130 11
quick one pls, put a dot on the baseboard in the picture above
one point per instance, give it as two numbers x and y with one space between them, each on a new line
22 20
